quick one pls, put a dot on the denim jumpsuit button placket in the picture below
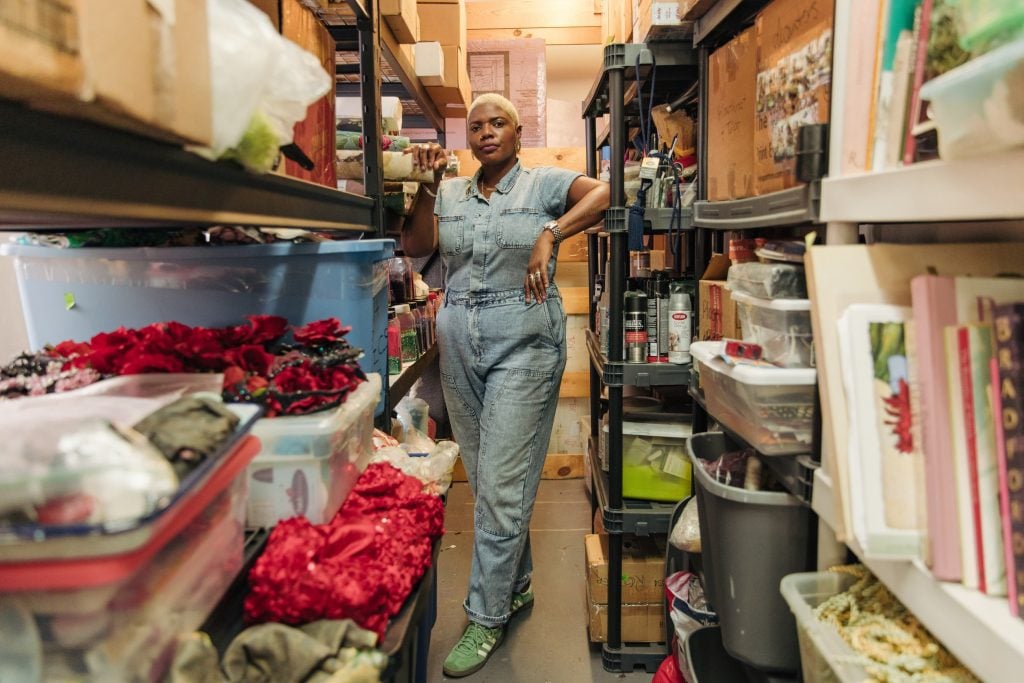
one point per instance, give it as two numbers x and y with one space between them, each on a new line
501 366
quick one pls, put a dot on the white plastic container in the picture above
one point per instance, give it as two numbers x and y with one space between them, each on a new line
309 463
977 106
824 655
782 327
770 408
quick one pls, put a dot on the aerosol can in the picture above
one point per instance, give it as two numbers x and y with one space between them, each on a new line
680 324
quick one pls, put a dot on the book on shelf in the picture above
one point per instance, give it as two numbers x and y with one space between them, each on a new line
969 354
939 302
858 105
886 465
915 112
1008 369
899 23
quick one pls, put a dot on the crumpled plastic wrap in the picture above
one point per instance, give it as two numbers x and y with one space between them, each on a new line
434 469
768 280
686 532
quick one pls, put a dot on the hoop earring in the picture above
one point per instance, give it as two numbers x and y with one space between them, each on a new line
519 145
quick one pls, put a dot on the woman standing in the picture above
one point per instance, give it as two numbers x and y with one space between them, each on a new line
502 343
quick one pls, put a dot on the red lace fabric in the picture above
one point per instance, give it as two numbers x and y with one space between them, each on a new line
362 565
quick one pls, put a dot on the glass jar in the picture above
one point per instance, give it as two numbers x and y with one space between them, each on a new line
394 343
410 343
428 321
400 278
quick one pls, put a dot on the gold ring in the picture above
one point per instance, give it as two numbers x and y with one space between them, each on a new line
537 274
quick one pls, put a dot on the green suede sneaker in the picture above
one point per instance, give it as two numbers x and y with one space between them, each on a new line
522 601
474 648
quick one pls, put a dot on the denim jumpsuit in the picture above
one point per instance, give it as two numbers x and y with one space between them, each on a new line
501 366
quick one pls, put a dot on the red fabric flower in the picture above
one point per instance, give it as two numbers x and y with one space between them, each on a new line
70 349
267 328
362 565
321 332
138 362
251 358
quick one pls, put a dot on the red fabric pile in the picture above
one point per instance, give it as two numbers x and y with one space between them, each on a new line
362 565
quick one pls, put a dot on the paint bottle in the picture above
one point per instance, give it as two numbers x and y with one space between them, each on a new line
394 343
664 301
680 324
635 327
410 343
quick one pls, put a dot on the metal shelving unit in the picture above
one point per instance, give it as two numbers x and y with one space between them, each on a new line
673 66
60 172
401 384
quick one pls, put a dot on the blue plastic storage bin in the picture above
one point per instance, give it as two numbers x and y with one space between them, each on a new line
77 293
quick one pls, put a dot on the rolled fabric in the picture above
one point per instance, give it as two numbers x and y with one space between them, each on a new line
351 140
397 166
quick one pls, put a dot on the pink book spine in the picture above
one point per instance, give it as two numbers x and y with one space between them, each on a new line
1004 491
933 312
914 111
967 395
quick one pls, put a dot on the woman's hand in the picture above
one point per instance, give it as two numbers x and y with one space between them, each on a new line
536 281
429 156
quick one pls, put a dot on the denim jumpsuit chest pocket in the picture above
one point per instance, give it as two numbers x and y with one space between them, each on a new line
519 227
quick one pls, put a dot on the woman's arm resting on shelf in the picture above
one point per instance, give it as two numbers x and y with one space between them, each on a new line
419 232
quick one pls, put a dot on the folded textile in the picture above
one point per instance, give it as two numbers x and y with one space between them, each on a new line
327 651
397 166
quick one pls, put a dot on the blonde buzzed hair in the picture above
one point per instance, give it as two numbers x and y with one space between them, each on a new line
500 102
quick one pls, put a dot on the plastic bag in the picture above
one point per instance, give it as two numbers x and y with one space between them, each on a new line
434 469
689 607
669 671
686 532
261 83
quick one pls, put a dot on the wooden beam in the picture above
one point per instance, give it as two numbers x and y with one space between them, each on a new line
576 35
575 385
572 273
537 13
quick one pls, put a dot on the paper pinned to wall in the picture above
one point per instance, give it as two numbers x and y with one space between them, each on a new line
516 69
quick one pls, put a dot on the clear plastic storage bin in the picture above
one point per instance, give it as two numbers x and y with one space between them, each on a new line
770 408
206 286
824 655
782 327
750 540
984 21
118 617
977 106
768 280
309 463
654 462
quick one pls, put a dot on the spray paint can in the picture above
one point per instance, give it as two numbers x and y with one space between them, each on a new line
635 327
653 350
680 324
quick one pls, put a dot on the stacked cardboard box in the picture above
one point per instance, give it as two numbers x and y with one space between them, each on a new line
654 20
719 318
445 23
106 62
643 589
732 91
402 18
617 21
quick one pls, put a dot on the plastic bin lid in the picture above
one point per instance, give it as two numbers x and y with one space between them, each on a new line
732 493
758 375
774 304
377 249
671 430
975 70
364 398
79 573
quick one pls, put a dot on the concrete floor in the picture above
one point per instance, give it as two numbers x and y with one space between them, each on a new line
549 644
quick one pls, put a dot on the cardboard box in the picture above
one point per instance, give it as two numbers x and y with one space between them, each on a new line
143 70
732 88
452 102
719 318
438 65
639 623
40 52
794 78
643 569
403 19
314 135
694 9
659 21
444 23
617 21
272 8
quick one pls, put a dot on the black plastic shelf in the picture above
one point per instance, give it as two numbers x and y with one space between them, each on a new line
675 63
60 172
795 206
401 384
626 658
635 374
225 620
725 19
639 517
